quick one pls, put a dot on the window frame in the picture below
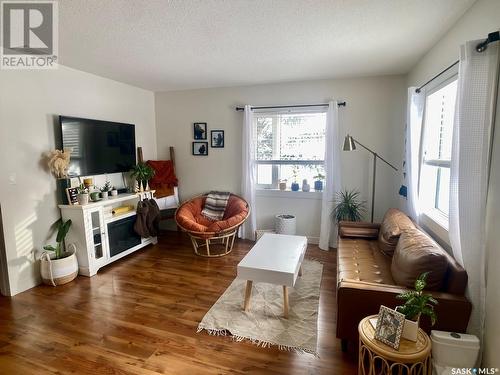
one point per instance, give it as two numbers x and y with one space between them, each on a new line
275 163
434 214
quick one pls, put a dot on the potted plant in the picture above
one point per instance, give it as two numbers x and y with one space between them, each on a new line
318 180
57 266
83 195
295 172
282 185
105 189
143 173
348 206
416 304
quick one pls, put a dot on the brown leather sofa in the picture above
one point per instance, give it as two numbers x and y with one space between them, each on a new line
376 262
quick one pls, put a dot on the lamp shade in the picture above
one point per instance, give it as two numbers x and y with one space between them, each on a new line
349 144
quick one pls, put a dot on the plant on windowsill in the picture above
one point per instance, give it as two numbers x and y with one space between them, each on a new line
57 266
142 173
318 180
416 304
348 206
295 185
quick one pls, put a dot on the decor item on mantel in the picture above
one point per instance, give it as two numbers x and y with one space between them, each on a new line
57 266
114 192
105 189
83 195
305 186
416 304
348 206
142 173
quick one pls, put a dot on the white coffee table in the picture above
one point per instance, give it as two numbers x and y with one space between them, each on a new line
275 259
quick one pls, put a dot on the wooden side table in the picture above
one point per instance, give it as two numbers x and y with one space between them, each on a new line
375 357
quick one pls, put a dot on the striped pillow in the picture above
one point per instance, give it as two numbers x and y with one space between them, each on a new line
215 205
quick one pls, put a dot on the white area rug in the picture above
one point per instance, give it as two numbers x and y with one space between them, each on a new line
264 324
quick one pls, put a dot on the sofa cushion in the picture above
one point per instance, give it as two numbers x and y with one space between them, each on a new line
415 254
393 224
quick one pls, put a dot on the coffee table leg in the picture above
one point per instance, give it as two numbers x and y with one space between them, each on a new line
285 301
248 293
300 270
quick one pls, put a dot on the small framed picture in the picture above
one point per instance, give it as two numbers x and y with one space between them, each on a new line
71 194
200 148
389 327
217 138
200 130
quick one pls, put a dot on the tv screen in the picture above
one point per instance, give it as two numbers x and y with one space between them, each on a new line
98 147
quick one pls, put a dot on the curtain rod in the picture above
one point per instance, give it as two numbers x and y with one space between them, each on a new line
340 104
481 47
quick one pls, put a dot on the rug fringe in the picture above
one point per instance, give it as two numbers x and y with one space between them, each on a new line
257 342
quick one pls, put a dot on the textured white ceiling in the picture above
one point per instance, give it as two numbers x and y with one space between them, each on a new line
181 44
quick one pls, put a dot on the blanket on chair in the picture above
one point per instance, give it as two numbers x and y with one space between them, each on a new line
215 205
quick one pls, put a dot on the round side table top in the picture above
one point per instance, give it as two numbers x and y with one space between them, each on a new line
408 351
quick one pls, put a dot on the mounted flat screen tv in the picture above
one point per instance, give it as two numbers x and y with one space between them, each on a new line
98 147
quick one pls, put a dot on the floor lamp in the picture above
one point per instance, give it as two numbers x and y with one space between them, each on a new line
350 145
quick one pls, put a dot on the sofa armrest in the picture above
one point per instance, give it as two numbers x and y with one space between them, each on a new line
357 229
453 311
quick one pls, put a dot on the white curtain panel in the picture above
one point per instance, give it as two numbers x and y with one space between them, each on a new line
414 113
328 230
248 174
472 133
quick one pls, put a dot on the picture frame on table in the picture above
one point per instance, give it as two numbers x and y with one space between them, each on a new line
200 130
200 148
217 138
71 195
389 328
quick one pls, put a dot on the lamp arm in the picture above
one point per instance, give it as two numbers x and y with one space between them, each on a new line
375 154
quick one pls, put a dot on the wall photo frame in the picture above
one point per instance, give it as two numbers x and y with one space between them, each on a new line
389 328
217 139
200 130
200 148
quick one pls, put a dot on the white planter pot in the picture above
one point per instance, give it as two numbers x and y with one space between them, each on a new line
285 224
82 199
410 330
114 193
59 271
104 195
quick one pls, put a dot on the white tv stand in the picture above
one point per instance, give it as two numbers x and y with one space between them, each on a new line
89 231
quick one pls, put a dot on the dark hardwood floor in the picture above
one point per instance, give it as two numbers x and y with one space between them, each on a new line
140 314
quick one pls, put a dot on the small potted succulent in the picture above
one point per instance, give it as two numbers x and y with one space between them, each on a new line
83 195
416 304
105 189
318 181
58 266
295 185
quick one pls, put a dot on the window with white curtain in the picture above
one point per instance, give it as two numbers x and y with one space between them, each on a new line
436 150
290 146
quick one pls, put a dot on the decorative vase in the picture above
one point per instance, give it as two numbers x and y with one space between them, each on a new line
410 330
285 224
147 186
141 187
136 186
114 193
305 186
83 199
295 186
318 185
94 196
282 185
104 195
59 271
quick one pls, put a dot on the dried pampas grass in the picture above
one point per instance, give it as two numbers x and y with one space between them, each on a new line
58 162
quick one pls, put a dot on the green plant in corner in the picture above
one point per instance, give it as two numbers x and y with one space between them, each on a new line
62 231
348 206
417 303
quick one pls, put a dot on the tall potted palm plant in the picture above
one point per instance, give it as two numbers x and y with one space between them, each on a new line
348 206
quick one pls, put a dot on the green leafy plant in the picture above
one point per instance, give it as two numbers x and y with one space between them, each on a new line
106 187
142 172
62 231
82 189
348 206
319 176
295 172
417 303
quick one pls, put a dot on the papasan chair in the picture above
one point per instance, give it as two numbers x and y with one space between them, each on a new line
205 232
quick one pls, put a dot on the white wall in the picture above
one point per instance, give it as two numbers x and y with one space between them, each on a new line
29 104
483 17
374 114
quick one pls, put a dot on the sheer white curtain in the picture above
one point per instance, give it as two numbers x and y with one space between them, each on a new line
328 229
472 132
248 174
414 113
